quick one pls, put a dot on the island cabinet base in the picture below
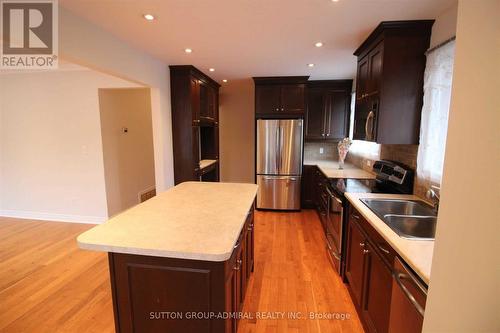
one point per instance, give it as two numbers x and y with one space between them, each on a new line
158 294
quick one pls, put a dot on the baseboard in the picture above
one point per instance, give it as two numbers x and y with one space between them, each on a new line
52 217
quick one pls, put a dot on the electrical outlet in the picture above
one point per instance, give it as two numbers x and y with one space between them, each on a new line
321 150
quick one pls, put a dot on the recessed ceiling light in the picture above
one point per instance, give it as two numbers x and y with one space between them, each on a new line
212 69
318 44
335 0
310 65
188 50
224 80
149 17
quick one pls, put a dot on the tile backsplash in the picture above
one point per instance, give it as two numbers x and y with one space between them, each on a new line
312 151
363 154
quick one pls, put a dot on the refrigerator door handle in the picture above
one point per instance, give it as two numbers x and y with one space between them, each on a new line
281 134
277 149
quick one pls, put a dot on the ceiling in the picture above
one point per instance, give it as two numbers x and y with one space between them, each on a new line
244 38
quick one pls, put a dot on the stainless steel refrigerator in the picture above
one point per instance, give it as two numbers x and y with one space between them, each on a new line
279 163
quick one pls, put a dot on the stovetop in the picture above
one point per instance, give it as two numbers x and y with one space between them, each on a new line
341 185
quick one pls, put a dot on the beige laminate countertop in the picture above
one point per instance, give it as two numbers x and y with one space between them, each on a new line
193 220
331 170
416 253
206 163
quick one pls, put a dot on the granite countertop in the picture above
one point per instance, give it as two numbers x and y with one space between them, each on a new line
193 220
416 253
331 170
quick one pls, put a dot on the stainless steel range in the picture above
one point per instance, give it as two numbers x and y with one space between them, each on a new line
391 177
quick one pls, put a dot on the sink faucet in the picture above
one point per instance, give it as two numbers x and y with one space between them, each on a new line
434 195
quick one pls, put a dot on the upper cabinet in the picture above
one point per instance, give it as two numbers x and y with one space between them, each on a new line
280 96
195 132
389 82
328 109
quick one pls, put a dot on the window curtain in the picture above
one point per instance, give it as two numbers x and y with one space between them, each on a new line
434 124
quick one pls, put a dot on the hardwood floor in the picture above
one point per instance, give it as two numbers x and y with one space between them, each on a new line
48 285
293 274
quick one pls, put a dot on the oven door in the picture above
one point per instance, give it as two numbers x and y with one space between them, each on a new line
334 219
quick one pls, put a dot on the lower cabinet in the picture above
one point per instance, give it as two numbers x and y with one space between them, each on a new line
239 270
158 294
308 186
369 274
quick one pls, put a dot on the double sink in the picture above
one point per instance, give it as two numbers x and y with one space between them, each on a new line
411 219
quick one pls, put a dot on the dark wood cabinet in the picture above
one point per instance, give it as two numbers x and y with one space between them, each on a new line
328 109
377 300
280 96
355 263
368 273
208 102
144 287
308 186
389 82
195 133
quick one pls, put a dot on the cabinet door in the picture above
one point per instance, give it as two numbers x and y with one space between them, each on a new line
243 271
267 99
293 98
362 78
375 59
250 243
204 101
195 99
377 292
213 103
315 115
337 114
355 258
308 186
230 298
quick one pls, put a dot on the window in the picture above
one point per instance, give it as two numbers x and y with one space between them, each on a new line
434 124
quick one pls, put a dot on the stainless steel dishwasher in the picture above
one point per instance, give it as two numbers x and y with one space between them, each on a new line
408 301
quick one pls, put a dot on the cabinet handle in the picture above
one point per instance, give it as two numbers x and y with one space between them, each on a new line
383 250
282 109
327 134
366 251
250 227
355 216
362 244
400 276
277 109
238 265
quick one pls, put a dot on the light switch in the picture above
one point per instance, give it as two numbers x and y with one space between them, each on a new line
321 150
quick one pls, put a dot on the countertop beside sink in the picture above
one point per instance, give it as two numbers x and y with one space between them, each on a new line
331 169
416 253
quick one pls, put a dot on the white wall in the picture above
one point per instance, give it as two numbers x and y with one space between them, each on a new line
128 157
237 133
50 139
84 43
464 293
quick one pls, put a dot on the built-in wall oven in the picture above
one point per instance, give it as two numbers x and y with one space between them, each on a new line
333 228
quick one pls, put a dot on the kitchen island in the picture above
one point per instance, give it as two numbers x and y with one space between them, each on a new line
180 261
